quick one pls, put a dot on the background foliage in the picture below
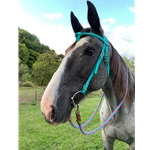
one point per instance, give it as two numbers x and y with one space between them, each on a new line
37 62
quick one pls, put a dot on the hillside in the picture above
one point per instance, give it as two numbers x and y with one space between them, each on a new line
35 59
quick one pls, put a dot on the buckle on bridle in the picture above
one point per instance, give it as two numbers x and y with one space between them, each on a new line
77 112
78 116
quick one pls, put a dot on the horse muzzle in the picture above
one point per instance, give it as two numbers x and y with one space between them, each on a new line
52 116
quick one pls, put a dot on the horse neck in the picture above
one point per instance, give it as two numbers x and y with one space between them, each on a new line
115 85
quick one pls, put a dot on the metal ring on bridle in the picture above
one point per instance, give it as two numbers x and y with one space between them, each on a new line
72 99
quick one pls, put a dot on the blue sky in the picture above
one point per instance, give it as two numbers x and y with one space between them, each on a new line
49 20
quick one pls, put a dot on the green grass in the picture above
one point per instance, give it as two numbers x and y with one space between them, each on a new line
36 134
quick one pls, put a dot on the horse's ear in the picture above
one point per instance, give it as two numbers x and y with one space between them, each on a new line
93 18
76 26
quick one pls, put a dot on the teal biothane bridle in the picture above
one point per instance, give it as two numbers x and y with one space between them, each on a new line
105 57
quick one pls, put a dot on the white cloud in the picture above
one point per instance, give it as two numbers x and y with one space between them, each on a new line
132 9
60 37
122 38
85 25
57 37
109 20
53 16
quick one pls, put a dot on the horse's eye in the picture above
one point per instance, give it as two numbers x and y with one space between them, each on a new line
89 52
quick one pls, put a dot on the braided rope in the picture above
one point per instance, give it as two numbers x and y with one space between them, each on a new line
94 113
109 118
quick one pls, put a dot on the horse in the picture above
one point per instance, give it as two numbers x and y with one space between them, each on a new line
69 81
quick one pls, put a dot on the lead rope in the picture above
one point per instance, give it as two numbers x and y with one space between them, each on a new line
81 127
93 115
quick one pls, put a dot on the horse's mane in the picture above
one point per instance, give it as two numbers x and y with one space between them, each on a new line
118 76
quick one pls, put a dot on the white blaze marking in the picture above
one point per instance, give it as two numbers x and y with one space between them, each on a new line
63 64
81 42
52 87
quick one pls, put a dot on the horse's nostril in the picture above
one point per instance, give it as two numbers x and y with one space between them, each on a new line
53 116
50 114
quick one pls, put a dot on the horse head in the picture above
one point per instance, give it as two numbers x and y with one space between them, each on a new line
73 72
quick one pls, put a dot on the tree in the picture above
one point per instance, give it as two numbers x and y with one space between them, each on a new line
23 53
23 69
60 57
44 68
32 58
31 51
130 63
32 42
45 48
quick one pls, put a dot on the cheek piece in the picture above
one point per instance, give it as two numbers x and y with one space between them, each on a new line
103 56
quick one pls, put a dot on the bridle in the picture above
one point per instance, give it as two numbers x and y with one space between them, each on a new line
103 56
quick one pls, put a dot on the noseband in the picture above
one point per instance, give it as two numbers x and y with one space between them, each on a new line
103 56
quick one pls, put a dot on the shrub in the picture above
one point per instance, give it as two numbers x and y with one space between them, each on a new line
28 84
26 77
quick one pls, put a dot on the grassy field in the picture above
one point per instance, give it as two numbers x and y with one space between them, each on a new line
36 134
